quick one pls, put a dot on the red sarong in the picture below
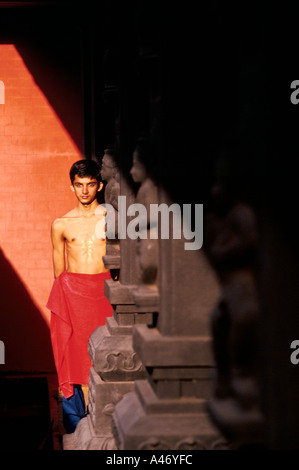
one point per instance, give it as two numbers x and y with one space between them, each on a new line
78 306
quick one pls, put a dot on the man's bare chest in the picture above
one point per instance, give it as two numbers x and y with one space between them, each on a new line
82 229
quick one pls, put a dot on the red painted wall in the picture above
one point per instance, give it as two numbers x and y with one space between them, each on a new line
36 152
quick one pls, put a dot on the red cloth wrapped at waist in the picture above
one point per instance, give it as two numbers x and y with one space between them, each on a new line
78 306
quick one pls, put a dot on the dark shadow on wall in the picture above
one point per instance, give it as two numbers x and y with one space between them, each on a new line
25 417
23 330
28 381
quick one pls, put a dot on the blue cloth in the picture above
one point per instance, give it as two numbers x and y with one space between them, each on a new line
73 409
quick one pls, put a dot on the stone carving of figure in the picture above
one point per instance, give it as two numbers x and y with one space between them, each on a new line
147 249
231 237
110 174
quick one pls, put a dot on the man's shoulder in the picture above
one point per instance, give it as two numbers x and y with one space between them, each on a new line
60 222
72 213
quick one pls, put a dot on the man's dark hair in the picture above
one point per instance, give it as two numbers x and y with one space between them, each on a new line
85 168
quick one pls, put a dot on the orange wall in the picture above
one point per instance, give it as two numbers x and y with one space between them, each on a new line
36 153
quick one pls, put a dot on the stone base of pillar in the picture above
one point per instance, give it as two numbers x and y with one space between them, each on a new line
142 423
103 397
84 438
94 432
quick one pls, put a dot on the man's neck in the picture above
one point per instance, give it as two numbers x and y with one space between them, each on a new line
87 209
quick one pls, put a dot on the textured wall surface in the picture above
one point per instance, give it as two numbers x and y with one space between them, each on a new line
36 153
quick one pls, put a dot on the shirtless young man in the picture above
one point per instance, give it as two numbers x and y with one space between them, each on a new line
75 244
77 301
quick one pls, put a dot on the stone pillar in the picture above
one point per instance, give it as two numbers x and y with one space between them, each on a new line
231 240
167 410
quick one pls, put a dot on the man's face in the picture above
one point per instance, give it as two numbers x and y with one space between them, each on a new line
86 189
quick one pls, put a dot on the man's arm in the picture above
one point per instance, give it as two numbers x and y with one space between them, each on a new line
58 247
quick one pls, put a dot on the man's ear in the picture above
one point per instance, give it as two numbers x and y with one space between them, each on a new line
72 188
101 184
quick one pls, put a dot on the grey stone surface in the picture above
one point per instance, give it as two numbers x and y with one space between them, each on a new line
173 402
141 430
155 349
103 397
84 437
119 293
113 357
146 299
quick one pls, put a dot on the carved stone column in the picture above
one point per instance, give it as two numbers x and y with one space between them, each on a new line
168 409
231 241
146 294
